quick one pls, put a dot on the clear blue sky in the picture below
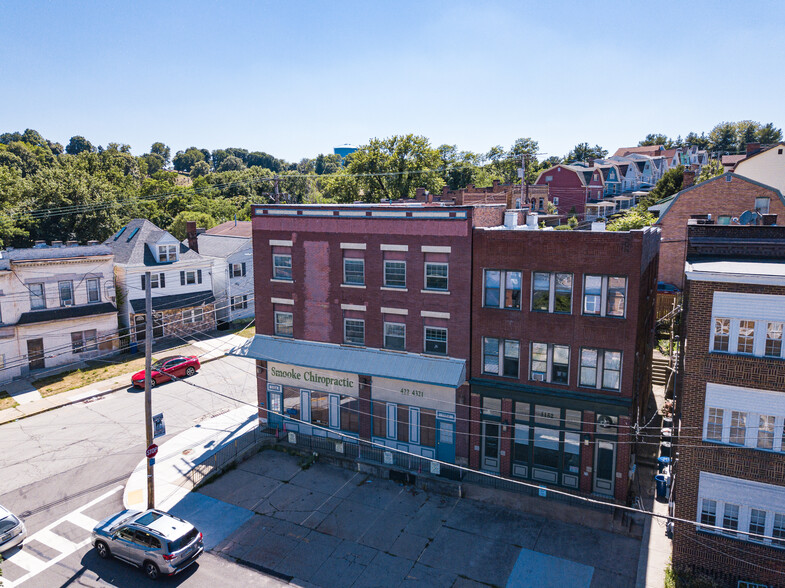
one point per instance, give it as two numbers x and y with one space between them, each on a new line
296 78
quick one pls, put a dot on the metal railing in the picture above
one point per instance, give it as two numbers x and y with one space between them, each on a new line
230 453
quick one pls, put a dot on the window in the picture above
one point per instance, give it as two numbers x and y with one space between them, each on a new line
521 449
605 295
354 331
427 427
349 414
502 288
738 427
167 253
572 453
379 419
778 531
714 424
766 431
508 350
239 302
320 408
190 277
757 523
721 334
773 340
746 336
93 290
436 340
237 270
552 292
395 274
282 267
550 363
600 369
395 336
66 293
284 324
436 276
84 341
762 205
709 512
546 447
193 316
37 297
723 219
730 518
354 272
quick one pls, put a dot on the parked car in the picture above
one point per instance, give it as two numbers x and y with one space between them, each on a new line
666 287
157 542
163 370
12 530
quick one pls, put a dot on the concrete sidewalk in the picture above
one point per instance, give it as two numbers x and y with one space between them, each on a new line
31 402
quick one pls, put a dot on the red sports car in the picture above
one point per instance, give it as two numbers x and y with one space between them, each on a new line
163 370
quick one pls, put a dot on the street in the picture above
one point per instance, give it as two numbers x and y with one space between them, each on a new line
64 469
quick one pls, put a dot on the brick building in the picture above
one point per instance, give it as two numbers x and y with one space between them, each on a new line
561 346
724 197
730 471
571 187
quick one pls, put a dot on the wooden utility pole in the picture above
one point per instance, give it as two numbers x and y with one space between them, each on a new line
148 403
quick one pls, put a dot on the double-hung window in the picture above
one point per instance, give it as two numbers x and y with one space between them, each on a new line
239 302
282 267
436 340
93 290
394 274
746 337
66 293
436 275
550 363
237 270
190 277
354 331
730 518
552 292
773 340
714 424
353 271
395 336
709 512
721 334
84 341
195 315
37 296
766 431
167 253
738 427
605 295
600 368
500 356
502 289
284 324
757 523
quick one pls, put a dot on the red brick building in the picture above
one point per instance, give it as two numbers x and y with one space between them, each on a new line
561 346
725 198
730 472
570 187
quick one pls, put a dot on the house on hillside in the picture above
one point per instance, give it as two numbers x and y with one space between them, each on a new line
57 307
570 187
767 166
229 246
648 150
181 282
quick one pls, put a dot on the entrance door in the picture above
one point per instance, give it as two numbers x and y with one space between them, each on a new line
158 325
445 441
490 446
35 353
274 405
604 467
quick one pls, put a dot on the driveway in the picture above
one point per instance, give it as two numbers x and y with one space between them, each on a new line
328 526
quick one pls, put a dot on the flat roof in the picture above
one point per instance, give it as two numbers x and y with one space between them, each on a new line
736 271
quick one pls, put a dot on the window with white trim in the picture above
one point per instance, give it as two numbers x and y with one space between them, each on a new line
84 341
239 302
354 331
195 315
501 357
436 276
66 288
395 336
284 324
93 290
762 205
502 289
394 274
552 292
761 338
605 295
237 270
773 346
436 340
354 271
167 253
37 296
282 267
600 368
550 363
745 417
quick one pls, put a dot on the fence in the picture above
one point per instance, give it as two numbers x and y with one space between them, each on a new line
230 453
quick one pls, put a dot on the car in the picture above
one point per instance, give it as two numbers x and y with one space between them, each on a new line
158 542
668 288
163 370
12 530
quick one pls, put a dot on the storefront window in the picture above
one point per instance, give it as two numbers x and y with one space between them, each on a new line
291 402
572 420
491 407
546 447
350 414
427 427
522 411
320 409
521 450
572 453
403 423
379 419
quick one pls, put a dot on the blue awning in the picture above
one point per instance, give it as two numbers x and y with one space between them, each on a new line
365 361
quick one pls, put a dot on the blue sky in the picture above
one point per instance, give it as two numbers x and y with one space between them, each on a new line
296 78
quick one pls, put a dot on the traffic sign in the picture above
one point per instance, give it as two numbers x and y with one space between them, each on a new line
152 450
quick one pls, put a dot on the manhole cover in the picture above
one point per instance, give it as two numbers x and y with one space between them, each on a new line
187 451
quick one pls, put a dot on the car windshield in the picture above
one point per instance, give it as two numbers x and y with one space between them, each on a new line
158 365
178 544
7 524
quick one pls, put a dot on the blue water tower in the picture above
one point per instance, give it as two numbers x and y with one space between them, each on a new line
344 150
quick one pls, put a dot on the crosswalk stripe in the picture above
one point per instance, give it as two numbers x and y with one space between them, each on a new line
54 540
25 560
82 520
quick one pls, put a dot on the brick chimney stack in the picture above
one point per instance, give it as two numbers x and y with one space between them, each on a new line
753 148
688 180
190 232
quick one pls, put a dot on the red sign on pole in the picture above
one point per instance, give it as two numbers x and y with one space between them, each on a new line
152 450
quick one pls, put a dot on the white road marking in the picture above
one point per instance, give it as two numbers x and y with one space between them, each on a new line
34 565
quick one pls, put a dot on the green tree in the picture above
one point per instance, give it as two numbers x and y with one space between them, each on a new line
670 183
159 148
712 169
700 141
632 219
78 144
767 134
656 139
265 160
231 163
723 137
327 164
200 168
583 152
177 228
153 163
184 160
747 131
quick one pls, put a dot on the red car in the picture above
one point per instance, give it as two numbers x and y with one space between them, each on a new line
163 370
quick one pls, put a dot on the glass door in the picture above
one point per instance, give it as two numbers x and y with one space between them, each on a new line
490 446
604 467
275 407
445 441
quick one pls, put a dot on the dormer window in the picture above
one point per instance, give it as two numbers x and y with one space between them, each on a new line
167 253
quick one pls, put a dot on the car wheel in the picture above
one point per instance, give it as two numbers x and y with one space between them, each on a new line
190 370
102 549
152 382
151 570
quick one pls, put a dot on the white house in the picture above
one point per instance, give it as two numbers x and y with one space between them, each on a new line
57 307
181 282
229 246
766 167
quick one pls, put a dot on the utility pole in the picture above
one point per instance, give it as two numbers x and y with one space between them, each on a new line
148 404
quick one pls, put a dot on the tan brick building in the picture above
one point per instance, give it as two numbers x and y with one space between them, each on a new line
725 198
730 469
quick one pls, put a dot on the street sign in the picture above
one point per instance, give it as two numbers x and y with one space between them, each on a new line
159 427
152 461
152 450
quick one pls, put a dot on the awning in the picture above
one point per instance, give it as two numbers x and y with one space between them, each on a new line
413 367
66 312
175 301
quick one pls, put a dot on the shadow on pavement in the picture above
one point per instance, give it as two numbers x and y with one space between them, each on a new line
119 573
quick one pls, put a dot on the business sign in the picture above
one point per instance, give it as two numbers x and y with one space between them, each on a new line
311 379
423 395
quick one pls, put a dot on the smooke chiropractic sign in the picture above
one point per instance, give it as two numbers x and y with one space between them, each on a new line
310 379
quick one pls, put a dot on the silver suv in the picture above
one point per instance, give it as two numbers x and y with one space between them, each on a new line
153 540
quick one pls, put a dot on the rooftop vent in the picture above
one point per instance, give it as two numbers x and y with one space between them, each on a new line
92 242
531 220
40 244
598 225
71 243
57 243
511 219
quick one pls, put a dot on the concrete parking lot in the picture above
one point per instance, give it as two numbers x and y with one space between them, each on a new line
328 526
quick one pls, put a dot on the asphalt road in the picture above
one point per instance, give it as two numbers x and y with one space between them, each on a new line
66 468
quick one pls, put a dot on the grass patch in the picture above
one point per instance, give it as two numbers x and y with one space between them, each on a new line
6 400
57 384
247 333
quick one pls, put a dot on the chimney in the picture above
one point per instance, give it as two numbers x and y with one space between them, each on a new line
39 243
419 194
495 184
590 162
688 179
57 243
753 148
71 243
92 242
190 233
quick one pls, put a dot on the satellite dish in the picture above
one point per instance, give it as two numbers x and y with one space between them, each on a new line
746 217
735 219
